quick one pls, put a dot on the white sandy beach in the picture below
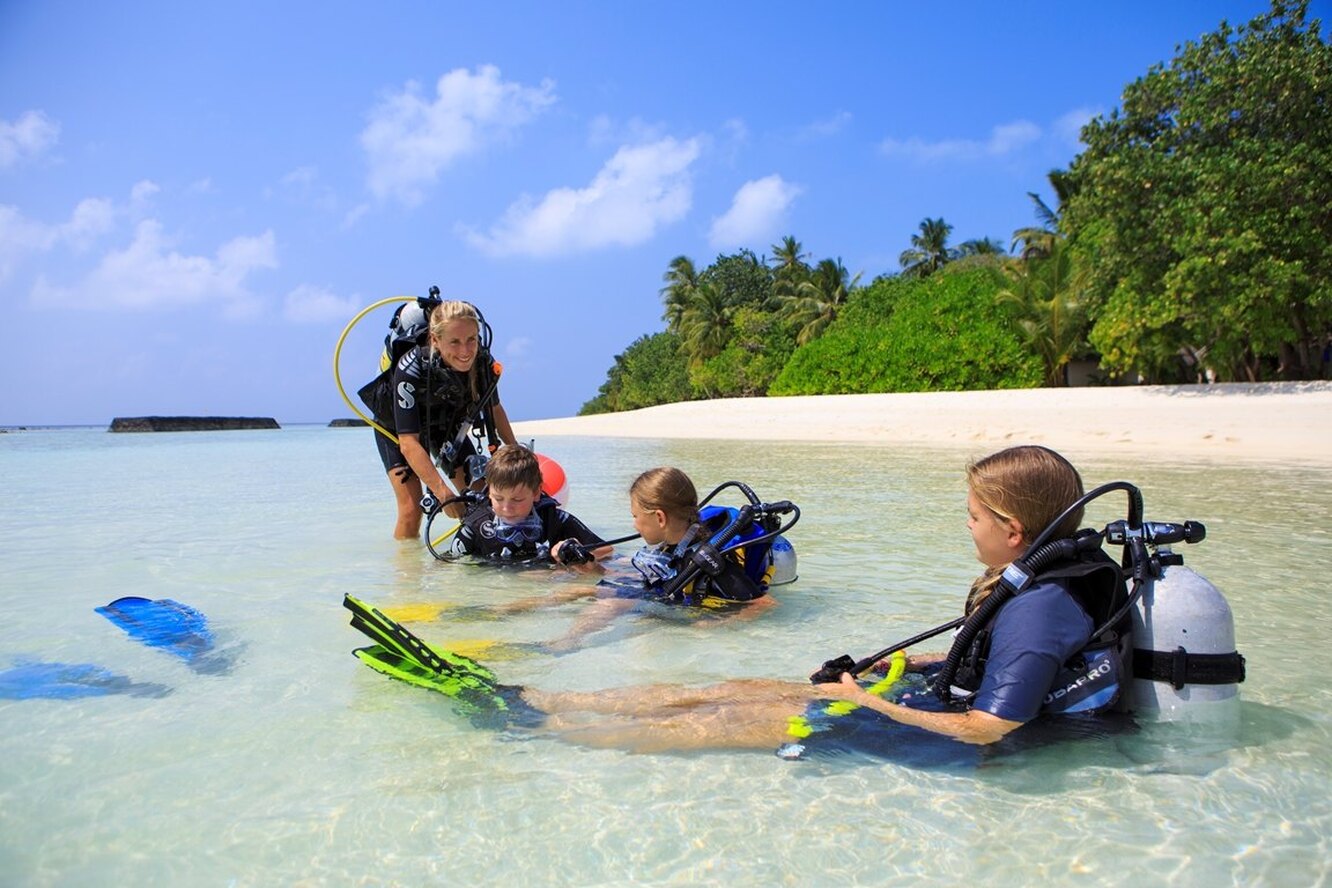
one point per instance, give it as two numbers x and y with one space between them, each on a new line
1287 422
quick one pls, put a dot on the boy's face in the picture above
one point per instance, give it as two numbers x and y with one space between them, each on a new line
512 504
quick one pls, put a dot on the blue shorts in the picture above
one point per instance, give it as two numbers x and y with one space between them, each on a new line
872 736
864 733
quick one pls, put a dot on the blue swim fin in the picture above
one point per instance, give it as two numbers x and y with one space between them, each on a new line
65 681
176 628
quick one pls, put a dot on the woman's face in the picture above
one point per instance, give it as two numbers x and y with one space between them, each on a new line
458 345
998 540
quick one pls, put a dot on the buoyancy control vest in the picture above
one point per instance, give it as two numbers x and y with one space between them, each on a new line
740 574
1094 678
449 409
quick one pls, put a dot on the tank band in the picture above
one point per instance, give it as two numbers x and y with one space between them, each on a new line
1180 668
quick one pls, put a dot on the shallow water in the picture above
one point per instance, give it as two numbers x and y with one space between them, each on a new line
302 766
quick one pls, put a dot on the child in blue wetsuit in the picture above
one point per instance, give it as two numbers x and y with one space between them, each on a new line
663 504
1014 670
515 523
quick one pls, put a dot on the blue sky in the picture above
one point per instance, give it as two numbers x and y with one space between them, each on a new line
195 198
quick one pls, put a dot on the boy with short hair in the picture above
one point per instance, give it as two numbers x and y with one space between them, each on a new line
517 523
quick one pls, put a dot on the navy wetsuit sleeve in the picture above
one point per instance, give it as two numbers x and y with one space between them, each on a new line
1032 637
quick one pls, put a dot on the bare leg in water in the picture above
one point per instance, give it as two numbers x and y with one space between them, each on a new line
744 714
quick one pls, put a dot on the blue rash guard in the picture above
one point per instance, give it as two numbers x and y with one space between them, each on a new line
1033 635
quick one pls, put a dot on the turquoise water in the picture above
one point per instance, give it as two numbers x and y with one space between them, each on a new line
302 766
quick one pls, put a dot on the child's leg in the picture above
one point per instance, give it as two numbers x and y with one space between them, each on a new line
598 616
738 724
553 599
661 700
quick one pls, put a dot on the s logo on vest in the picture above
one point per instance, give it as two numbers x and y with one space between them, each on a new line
406 396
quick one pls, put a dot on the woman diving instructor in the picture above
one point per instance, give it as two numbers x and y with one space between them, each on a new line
432 399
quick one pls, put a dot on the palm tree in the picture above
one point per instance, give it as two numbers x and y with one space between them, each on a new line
1036 241
788 256
681 281
981 246
1047 292
817 301
705 323
929 250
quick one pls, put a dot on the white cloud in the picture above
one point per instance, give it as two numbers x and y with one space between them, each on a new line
93 216
757 211
604 130
303 186
638 190
518 347
149 274
26 138
21 237
308 304
1069 126
410 139
1004 140
143 191
354 215
828 126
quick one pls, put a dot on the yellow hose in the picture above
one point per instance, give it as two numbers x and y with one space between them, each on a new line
337 355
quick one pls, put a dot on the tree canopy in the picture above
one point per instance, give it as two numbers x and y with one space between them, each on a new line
1204 206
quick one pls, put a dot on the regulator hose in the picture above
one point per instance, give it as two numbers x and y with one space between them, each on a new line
337 355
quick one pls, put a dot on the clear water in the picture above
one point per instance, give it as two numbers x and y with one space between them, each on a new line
301 766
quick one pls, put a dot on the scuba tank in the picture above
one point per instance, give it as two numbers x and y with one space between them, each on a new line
1185 665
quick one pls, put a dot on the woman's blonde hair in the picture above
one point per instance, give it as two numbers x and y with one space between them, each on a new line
456 310
668 489
1031 485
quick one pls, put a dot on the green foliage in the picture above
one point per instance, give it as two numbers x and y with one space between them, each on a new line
652 370
758 348
929 250
1203 205
740 278
1046 292
946 332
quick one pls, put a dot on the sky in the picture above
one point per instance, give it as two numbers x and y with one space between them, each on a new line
196 199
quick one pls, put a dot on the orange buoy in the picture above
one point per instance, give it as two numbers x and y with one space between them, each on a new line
553 481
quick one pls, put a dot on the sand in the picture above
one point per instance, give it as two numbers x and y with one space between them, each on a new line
1284 422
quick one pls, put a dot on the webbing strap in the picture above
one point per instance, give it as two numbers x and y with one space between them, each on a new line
1179 667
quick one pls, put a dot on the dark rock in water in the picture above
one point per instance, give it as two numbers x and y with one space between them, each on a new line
348 424
191 423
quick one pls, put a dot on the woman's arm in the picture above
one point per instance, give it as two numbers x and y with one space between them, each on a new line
502 424
971 726
421 464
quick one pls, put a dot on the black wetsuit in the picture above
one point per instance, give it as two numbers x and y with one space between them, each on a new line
482 535
420 395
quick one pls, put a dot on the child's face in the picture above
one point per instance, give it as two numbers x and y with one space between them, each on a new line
650 523
998 541
512 504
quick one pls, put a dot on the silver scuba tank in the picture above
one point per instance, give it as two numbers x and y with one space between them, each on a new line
783 556
1185 666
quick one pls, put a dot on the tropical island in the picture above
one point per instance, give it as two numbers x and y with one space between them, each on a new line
190 423
1189 242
